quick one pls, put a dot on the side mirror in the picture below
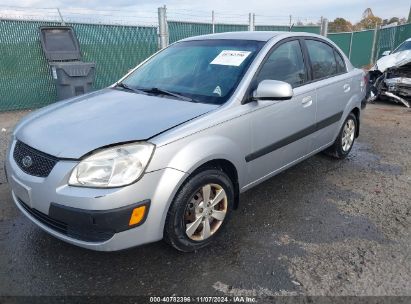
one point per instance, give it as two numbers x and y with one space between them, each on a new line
386 53
273 90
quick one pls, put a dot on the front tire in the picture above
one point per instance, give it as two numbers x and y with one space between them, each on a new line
199 211
345 139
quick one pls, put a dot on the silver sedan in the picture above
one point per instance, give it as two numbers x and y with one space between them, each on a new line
165 152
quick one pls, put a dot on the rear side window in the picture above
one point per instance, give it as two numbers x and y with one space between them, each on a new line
322 59
285 63
340 63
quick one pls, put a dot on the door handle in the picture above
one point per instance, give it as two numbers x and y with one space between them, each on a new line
307 101
346 88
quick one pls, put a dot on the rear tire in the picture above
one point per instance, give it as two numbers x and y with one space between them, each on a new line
191 223
345 139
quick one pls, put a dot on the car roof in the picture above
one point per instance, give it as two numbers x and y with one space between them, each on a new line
251 35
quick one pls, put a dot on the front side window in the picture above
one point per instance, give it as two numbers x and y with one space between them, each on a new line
285 63
322 59
206 71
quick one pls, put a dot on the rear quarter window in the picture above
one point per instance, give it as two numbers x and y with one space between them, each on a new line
322 59
340 63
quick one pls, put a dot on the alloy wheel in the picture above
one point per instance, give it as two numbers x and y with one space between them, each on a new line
205 212
348 135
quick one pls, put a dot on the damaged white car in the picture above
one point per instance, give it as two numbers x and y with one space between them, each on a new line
390 77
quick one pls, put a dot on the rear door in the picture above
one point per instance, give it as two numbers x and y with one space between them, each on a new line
333 85
281 128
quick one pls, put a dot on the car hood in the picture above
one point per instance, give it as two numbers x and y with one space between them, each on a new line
71 129
394 60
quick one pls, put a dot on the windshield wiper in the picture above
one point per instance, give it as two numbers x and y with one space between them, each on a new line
128 88
158 91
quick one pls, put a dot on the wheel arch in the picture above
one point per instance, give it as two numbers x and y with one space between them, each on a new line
228 168
356 112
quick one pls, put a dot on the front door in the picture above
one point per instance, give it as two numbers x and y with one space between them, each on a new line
281 129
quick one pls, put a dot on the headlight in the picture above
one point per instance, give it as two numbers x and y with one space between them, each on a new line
113 167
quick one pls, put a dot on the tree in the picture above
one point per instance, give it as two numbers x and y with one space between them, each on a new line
369 21
394 19
390 21
340 25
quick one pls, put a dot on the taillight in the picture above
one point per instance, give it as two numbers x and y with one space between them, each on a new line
366 78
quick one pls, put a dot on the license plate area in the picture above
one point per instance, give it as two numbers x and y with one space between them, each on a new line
21 191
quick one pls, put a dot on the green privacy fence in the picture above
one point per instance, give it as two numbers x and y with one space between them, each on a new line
361 48
272 28
221 28
180 30
115 49
343 40
358 46
25 78
298 28
389 38
306 28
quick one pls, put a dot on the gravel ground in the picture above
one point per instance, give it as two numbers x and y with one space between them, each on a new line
323 227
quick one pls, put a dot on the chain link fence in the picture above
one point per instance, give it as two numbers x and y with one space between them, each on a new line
25 77
390 37
117 41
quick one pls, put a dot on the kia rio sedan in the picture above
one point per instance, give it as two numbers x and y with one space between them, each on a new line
165 152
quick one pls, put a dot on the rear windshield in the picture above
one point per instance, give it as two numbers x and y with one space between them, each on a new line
206 71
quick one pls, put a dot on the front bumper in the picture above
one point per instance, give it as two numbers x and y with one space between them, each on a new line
45 196
87 225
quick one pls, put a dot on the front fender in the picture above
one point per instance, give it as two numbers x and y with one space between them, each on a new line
190 153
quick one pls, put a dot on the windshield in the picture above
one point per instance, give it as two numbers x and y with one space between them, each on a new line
406 45
206 71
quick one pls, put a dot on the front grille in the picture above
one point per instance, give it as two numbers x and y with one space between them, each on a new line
32 161
45 219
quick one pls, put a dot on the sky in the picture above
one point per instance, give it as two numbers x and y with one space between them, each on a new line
301 9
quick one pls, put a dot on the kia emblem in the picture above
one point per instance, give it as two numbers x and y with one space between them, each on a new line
27 161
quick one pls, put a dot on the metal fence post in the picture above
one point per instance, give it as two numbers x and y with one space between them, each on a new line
162 27
324 27
321 25
213 21
250 22
374 44
349 52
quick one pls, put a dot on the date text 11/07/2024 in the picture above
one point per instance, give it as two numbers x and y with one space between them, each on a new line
203 299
